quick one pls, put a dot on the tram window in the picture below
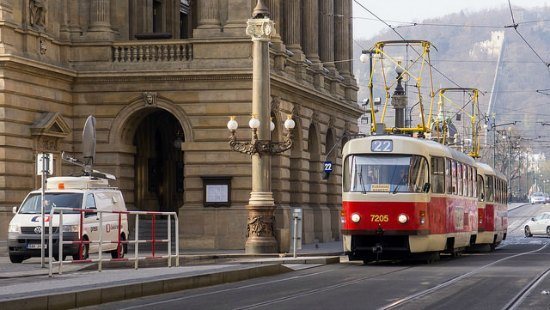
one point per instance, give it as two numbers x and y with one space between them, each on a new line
469 181
438 175
489 189
480 188
474 182
448 177
455 177
419 174
385 173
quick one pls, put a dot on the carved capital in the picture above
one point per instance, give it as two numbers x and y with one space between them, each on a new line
260 29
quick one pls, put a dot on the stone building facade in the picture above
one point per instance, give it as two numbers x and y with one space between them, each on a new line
161 78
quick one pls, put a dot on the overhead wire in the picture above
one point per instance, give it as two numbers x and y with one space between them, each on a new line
403 38
515 26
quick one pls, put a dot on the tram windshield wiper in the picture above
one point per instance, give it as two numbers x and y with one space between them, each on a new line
360 174
395 189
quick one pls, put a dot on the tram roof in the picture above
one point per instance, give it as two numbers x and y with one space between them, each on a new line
488 170
406 145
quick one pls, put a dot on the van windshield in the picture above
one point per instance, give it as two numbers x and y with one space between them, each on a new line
31 205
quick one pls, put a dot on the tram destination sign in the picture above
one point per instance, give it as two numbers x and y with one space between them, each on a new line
381 146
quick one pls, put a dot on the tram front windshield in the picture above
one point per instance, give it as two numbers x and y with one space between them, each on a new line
390 173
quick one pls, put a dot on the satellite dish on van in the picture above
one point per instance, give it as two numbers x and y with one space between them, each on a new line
88 144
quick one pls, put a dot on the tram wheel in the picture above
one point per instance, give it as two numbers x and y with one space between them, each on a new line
528 232
433 258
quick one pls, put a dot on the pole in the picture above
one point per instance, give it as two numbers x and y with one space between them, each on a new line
295 236
261 205
45 161
494 144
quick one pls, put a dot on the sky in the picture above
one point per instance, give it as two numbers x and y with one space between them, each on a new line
395 11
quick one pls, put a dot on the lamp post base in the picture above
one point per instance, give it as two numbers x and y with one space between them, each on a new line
260 228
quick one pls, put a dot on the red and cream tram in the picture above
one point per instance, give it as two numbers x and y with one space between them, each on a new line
405 196
491 206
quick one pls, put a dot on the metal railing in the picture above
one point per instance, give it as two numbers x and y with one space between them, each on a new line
120 243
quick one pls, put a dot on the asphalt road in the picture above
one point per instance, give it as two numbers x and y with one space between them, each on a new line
515 276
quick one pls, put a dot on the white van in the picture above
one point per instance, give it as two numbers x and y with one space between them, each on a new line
70 192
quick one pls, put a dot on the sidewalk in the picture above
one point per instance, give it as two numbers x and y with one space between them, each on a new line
27 286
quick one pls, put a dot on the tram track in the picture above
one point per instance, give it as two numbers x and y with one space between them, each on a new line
520 297
519 221
320 290
514 302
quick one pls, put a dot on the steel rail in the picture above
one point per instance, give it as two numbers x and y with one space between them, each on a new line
454 280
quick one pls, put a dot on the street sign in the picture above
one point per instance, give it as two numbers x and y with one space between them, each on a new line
328 166
44 162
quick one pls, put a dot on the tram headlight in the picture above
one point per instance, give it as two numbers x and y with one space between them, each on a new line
403 218
355 217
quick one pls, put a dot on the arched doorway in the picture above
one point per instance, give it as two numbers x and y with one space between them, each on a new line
159 166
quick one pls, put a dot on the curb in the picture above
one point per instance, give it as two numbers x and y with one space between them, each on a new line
95 296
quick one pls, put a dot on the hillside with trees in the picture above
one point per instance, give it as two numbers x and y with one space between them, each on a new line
466 51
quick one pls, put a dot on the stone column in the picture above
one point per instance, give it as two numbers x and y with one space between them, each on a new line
275 14
339 39
310 39
100 20
64 26
237 13
74 22
326 37
261 205
293 25
347 38
209 18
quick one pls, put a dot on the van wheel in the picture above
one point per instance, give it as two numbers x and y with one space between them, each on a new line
120 250
85 251
17 259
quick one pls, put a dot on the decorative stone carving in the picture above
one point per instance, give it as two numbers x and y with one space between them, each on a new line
296 110
37 9
315 117
46 143
150 98
331 121
43 47
260 29
259 227
275 105
48 130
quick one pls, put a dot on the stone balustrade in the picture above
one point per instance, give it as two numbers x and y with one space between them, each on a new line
152 51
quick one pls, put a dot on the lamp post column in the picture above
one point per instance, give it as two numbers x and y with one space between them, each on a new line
261 205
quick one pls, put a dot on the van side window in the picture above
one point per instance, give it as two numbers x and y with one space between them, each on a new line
90 202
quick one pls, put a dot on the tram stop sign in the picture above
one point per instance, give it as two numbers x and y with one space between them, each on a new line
327 168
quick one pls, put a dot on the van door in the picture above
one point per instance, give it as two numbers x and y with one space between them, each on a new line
91 222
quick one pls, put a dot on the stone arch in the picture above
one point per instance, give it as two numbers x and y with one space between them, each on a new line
125 123
314 150
138 162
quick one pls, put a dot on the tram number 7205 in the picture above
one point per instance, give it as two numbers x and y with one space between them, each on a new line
379 218
381 146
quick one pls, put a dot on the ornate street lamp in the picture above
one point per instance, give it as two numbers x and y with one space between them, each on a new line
255 145
261 206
